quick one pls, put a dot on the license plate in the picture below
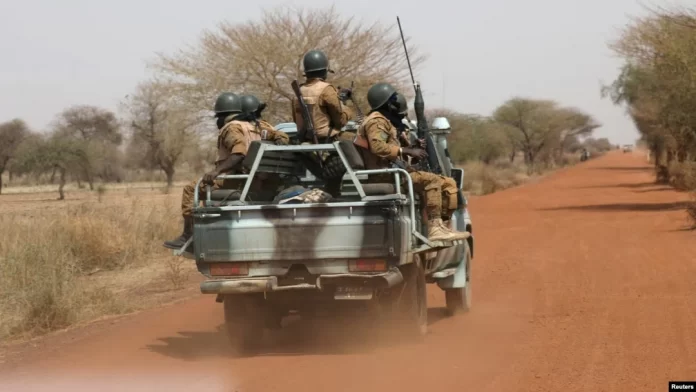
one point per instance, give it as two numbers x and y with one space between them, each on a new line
355 293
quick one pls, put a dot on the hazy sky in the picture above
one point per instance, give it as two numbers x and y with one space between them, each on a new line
60 53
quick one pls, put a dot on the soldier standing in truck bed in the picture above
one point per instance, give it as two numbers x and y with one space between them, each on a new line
383 148
329 113
237 129
326 105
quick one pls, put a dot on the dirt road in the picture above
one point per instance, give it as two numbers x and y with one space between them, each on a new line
583 281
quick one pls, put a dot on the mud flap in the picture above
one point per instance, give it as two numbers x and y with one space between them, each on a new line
456 280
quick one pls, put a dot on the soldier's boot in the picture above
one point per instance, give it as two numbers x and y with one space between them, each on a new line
437 232
447 225
187 233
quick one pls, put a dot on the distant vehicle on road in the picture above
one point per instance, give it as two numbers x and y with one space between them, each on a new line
627 148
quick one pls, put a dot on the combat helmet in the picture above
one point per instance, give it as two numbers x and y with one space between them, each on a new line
403 104
249 103
315 61
227 103
379 94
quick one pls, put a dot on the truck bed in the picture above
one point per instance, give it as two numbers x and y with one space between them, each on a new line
301 232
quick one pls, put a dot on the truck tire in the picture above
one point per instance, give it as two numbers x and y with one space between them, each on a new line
459 300
412 308
244 322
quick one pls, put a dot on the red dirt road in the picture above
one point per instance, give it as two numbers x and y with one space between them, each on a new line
583 281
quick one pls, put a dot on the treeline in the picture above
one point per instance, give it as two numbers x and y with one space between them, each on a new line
657 85
166 122
87 144
539 132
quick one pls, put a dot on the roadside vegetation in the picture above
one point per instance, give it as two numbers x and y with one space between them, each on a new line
657 85
91 247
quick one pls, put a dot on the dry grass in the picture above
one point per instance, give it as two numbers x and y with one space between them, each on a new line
691 211
682 175
63 263
483 179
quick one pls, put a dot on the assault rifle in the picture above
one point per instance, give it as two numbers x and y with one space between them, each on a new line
307 124
431 164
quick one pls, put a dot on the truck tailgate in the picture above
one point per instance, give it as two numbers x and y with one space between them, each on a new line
303 232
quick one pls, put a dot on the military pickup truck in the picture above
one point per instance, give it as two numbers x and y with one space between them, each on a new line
265 260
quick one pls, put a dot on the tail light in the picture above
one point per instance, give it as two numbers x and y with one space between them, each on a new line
367 265
229 269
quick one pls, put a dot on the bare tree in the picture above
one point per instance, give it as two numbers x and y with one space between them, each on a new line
542 123
98 130
12 133
161 125
263 57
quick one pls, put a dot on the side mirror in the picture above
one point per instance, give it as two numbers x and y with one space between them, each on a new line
458 175
440 124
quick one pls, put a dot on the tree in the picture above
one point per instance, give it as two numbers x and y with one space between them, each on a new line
476 137
99 133
542 124
159 124
42 153
263 57
12 133
658 83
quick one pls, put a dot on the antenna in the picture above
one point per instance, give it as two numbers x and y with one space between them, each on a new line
403 40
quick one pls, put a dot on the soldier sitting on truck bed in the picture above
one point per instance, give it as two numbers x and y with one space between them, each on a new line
235 120
449 186
384 149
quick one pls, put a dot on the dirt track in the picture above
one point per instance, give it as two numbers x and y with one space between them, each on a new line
582 282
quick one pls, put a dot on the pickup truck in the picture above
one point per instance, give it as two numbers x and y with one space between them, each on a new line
266 260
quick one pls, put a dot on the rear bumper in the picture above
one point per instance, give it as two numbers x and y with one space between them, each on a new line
270 283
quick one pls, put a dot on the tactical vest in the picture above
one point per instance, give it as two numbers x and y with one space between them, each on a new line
371 160
311 93
248 130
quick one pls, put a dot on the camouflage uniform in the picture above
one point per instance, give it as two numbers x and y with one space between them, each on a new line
384 147
448 186
234 138
328 114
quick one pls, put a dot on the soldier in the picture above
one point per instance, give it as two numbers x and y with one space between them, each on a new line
325 106
251 111
236 132
329 113
384 149
449 186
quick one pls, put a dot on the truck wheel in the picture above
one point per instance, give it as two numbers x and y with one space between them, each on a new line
244 322
413 306
459 300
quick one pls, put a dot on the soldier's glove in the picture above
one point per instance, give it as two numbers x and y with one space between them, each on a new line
345 94
209 177
422 143
415 153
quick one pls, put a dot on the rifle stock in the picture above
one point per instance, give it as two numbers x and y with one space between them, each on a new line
308 125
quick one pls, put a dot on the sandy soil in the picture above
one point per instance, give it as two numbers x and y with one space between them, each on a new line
583 281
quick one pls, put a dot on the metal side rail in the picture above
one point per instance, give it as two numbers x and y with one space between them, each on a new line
352 174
